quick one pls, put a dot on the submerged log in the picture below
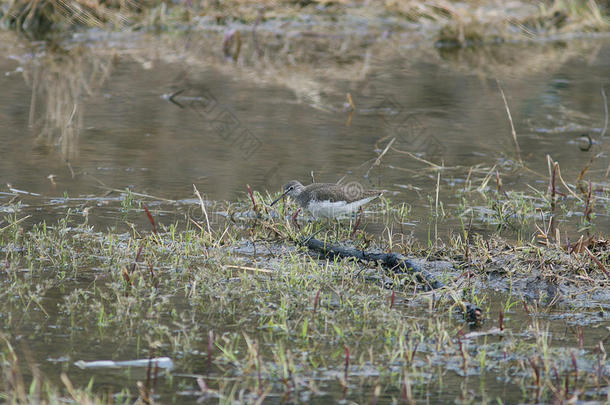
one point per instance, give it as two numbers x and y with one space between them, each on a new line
394 262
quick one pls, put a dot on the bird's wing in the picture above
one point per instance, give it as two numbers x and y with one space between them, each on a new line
326 191
338 192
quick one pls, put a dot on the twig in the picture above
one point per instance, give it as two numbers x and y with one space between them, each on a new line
512 126
196 224
118 190
566 186
71 116
17 191
378 160
599 264
205 212
70 167
434 165
350 100
352 108
486 179
584 170
349 119
14 223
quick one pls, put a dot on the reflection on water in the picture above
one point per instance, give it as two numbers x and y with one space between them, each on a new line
160 121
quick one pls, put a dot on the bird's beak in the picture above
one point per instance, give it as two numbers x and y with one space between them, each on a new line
279 198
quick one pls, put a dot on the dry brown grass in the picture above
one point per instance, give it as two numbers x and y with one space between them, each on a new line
39 16
459 21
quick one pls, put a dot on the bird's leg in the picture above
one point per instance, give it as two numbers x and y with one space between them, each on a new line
296 214
294 218
328 226
358 218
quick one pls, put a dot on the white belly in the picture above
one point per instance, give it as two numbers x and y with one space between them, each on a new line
327 209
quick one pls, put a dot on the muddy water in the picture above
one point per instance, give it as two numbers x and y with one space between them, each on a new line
111 121
87 119
55 346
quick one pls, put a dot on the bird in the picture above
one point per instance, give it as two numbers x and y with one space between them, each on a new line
329 200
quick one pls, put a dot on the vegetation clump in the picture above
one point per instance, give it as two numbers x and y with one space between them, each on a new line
456 23
246 314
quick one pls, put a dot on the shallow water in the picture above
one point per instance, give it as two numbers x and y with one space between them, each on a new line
100 117
264 125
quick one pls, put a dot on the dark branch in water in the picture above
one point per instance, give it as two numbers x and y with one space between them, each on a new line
393 261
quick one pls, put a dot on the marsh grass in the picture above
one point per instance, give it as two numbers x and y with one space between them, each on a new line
248 314
40 17
469 23
469 26
567 14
